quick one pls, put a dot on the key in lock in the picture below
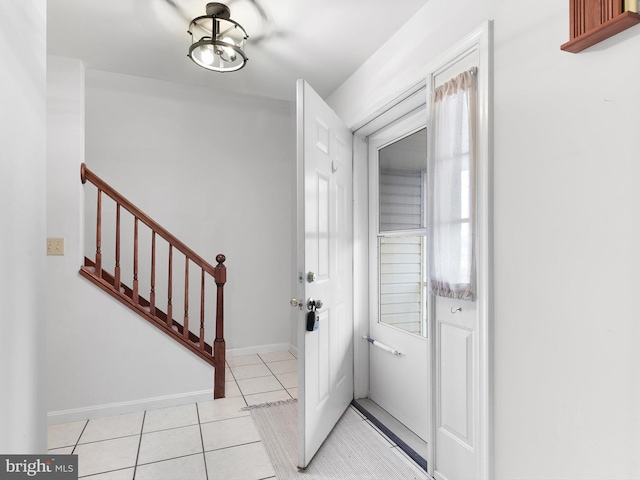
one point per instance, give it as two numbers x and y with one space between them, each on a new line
313 320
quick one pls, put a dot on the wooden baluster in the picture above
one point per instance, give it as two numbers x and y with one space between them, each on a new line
169 288
592 14
99 235
135 260
202 311
152 294
185 330
617 7
116 281
219 347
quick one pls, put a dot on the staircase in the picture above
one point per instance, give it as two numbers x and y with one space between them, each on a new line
189 335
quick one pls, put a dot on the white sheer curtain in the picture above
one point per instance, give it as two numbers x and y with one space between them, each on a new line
452 187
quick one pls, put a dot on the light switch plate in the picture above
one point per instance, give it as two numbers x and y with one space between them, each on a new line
55 246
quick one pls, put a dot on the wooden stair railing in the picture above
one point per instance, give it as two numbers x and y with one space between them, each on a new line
112 283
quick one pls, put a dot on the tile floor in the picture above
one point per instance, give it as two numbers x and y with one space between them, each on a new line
208 440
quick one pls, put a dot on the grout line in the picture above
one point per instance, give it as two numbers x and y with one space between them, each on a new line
285 400
167 459
231 372
238 385
265 376
246 404
281 373
258 393
225 419
259 376
283 383
170 428
135 467
279 381
79 437
275 376
108 439
245 364
233 446
281 351
92 475
204 458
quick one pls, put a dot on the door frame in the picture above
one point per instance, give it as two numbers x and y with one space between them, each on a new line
403 101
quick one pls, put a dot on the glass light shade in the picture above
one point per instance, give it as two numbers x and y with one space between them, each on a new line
217 43
217 55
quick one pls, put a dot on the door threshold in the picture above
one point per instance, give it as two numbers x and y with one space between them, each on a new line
407 441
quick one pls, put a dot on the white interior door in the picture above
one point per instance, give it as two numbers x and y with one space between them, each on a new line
325 266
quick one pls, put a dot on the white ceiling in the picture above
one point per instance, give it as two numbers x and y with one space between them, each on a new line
322 41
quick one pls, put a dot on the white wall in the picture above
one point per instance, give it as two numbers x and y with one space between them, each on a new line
401 60
216 170
101 358
22 246
143 137
566 328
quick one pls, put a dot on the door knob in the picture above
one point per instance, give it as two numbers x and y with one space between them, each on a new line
294 302
311 277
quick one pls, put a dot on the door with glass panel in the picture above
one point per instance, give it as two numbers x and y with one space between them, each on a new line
399 302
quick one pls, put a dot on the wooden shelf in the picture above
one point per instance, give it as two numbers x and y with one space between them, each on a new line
602 32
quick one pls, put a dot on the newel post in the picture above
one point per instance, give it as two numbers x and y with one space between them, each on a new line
219 347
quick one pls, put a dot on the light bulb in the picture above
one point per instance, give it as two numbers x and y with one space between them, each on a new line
228 54
206 55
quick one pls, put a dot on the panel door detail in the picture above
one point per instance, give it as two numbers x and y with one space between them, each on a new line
325 242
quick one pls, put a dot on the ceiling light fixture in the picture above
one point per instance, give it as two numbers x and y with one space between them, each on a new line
217 42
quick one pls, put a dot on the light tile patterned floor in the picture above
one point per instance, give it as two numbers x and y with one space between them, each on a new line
204 441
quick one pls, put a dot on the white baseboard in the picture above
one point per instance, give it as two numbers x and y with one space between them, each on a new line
121 408
109 409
